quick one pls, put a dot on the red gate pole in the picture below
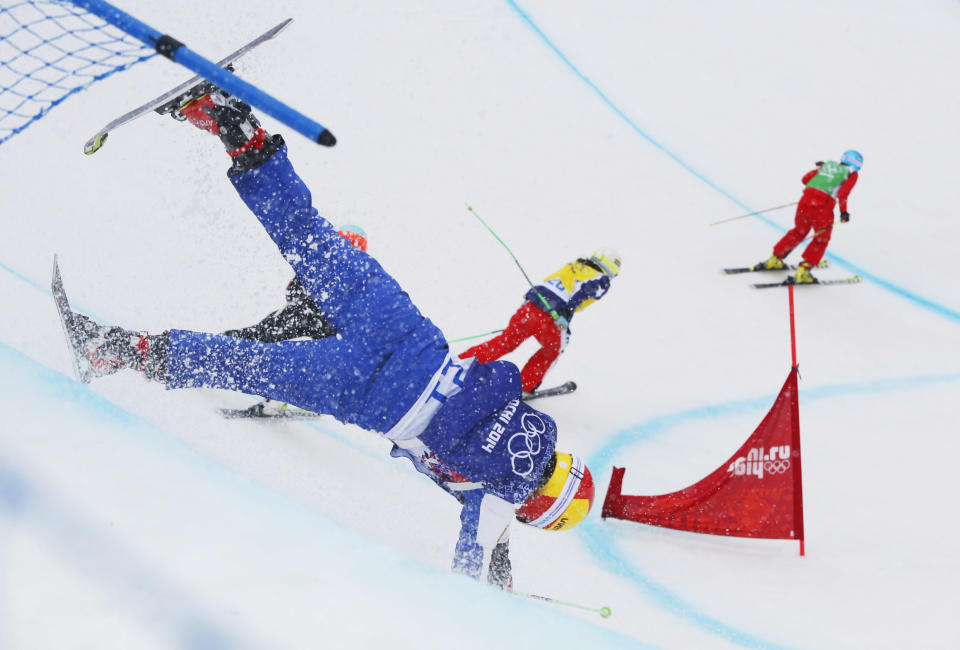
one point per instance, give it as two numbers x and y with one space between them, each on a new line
798 484
793 331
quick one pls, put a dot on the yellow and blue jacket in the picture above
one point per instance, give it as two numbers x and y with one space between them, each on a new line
570 289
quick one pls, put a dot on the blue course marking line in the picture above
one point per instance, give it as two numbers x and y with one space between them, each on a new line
920 301
24 278
601 542
616 109
925 303
605 550
649 430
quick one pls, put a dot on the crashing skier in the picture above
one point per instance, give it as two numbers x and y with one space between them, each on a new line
388 369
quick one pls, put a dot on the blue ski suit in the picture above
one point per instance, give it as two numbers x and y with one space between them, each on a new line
388 370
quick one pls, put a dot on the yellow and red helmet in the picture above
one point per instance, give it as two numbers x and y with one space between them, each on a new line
564 499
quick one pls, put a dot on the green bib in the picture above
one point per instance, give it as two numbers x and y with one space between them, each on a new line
830 176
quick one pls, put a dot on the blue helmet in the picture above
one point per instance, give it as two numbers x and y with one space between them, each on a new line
853 159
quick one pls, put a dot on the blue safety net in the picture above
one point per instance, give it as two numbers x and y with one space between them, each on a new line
50 50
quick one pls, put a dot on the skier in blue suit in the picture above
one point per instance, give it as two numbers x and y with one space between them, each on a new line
388 370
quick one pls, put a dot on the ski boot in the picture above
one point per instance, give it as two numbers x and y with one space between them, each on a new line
803 275
218 112
102 350
774 263
194 92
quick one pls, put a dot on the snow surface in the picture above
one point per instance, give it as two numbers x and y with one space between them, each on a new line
137 518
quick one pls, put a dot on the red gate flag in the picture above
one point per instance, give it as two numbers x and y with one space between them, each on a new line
757 493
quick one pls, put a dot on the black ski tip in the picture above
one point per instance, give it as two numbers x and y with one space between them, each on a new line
326 138
56 273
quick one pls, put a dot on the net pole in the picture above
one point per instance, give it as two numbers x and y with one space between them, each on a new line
176 51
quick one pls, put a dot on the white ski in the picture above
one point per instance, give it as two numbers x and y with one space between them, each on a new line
66 320
562 389
93 144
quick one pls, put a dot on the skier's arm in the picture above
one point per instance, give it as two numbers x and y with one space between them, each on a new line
590 291
844 190
500 573
809 175
484 527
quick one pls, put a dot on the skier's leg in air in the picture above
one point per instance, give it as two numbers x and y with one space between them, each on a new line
552 341
386 351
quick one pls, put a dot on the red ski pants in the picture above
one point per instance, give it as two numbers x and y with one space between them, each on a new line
816 214
526 322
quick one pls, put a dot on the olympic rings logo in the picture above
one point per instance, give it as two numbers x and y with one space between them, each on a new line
776 466
524 445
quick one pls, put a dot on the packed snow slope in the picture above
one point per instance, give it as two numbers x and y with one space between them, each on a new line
138 518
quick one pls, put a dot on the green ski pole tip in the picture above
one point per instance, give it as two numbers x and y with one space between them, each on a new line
605 612
94 145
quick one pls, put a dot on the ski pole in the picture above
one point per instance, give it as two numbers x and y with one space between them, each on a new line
750 214
475 336
487 226
550 310
603 611
818 232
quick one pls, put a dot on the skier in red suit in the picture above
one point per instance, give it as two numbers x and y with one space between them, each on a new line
828 184
546 313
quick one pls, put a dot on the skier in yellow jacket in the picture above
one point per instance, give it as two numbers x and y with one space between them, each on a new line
547 311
